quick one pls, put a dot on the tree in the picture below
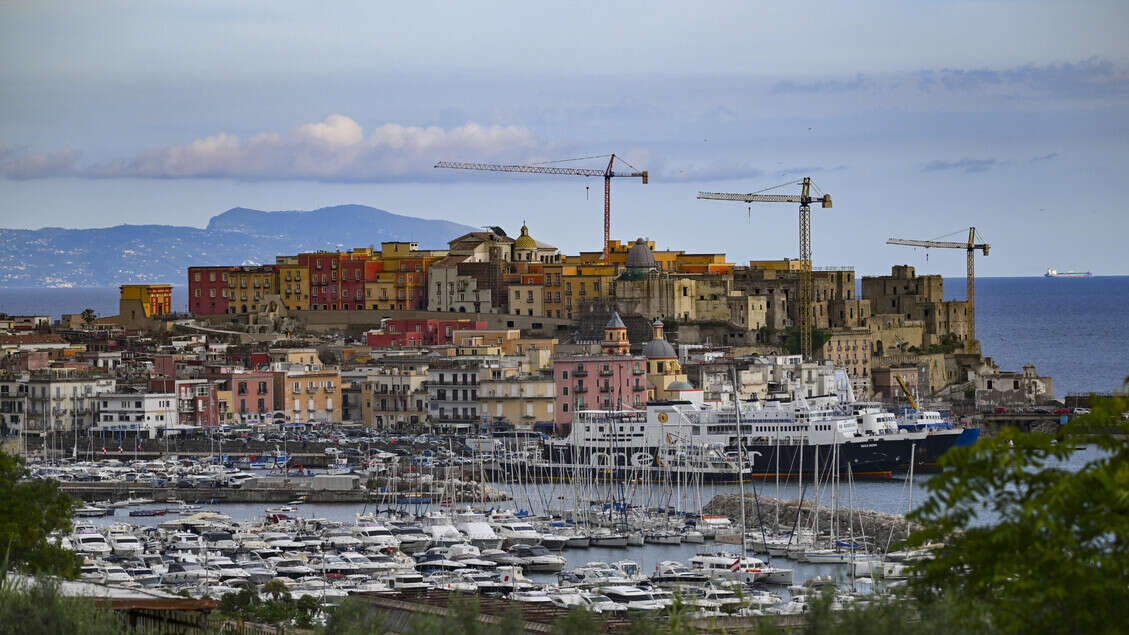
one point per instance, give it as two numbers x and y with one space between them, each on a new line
88 316
1044 546
30 510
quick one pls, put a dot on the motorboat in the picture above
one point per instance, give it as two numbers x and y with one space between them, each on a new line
538 558
513 533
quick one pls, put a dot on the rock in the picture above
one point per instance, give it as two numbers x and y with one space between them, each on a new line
882 528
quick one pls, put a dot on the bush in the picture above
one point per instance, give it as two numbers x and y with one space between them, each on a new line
38 607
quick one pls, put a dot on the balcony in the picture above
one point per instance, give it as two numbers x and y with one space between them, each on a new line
580 389
638 388
639 371
606 372
605 388
579 373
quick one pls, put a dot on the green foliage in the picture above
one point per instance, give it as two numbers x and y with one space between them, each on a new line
29 511
88 316
37 607
819 337
578 622
1057 558
274 606
950 343
354 617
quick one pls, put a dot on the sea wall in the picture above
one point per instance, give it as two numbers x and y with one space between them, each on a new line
878 526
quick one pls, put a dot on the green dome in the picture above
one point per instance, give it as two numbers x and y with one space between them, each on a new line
525 241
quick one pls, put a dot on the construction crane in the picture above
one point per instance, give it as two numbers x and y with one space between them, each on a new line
805 200
905 390
608 174
971 246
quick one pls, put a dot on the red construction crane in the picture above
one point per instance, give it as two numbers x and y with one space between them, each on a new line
607 173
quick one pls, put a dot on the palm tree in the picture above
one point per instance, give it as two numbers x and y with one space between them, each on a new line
88 316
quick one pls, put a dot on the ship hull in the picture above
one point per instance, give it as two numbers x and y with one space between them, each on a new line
862 459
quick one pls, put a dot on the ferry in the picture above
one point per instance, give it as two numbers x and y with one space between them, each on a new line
776 437
1054 273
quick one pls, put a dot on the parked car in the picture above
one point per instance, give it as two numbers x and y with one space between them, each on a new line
1081 411
999 411
1062 411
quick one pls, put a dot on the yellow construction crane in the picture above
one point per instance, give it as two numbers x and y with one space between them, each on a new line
971 246
607 173
902 383
805 200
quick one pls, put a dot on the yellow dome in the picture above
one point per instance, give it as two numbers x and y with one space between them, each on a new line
525 241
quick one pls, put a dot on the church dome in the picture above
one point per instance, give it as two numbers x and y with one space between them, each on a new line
525 241
680 385
640 256
658 349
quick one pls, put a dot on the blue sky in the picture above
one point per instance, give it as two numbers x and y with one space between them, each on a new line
919 118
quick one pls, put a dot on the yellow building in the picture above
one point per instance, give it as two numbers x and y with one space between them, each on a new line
589 285
787 264
145 300
523 401
293 283
395 396
307 356
248 287
527 299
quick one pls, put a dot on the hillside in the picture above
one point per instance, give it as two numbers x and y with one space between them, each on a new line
58 257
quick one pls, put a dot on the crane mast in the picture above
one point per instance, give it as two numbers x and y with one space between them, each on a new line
970 248
608 174
806 286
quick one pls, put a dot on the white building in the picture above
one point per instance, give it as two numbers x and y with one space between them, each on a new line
62 402
136 412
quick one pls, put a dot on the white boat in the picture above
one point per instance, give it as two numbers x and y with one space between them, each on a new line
481 535
91 543
538 558
91 511
634 598
663 537
516 532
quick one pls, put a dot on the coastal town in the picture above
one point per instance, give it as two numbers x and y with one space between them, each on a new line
481 378
483 334
500 318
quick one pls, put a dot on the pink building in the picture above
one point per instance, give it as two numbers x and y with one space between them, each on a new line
252 396
612 380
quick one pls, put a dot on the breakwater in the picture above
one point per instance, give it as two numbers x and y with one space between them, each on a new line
880 527
282 490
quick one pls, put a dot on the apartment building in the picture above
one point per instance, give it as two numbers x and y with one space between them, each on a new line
307 395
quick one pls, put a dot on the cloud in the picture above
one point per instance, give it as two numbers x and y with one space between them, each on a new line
806 170
967 165
1046 157
18 164
715 171
333 150
857 83
1087 78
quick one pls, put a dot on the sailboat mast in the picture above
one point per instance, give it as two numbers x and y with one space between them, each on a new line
740 469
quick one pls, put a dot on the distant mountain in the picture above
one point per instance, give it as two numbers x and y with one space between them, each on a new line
57 257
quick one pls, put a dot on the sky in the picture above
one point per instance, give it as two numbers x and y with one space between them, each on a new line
921 119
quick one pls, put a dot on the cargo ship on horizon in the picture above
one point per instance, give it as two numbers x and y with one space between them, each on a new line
1055 273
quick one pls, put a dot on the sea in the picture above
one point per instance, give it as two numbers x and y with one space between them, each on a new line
1072 329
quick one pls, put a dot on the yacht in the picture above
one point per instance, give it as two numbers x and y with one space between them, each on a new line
538 558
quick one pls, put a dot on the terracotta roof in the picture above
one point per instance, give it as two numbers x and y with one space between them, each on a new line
32 339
